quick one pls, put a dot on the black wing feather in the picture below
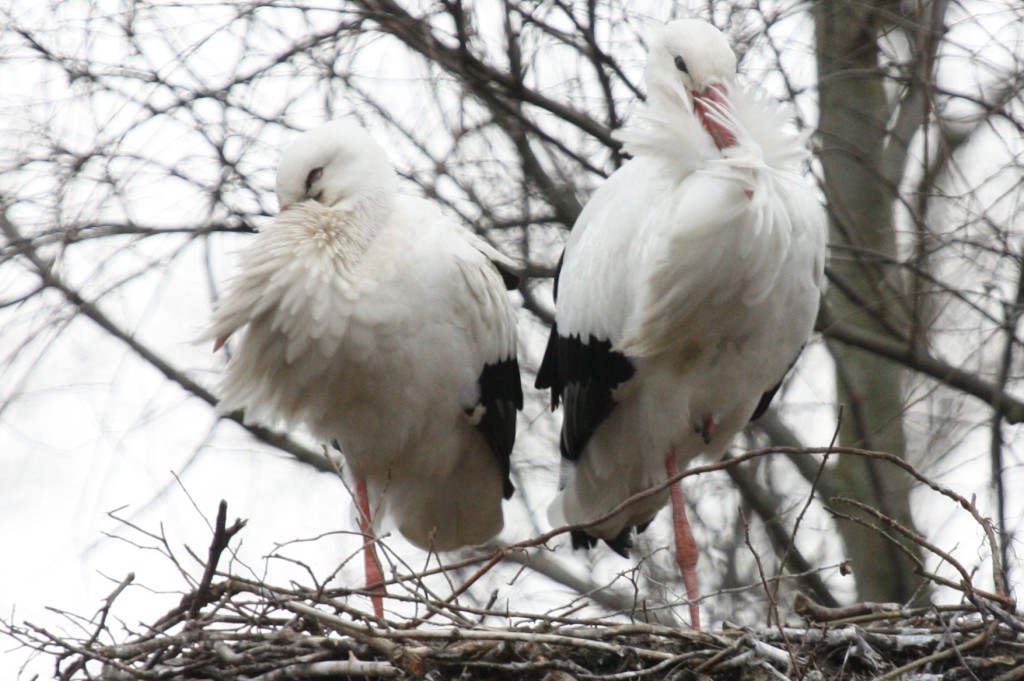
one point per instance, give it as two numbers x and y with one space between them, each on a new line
509 276
547 374
501 395
766 398
584 374
765 402
589 372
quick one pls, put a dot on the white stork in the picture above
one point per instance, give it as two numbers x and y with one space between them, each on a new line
687 288
380 325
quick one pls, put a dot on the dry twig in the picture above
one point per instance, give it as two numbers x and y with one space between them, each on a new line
228 626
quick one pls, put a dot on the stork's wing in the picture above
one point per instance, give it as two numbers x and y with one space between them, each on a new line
508 275
766 398
765 402
506 266
484 275
547 374
589 372
583 374
581 364
501 395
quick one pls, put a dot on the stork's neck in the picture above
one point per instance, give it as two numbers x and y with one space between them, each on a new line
341 232
710 107
755 132
372 210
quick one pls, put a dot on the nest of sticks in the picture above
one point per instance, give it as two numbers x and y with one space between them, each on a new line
230 627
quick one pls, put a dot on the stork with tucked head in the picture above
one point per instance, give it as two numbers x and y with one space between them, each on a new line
687 288
378 324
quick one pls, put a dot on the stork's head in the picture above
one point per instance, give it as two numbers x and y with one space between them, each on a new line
690 61
337 163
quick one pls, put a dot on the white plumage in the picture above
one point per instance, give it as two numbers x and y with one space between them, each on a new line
373 321
687 288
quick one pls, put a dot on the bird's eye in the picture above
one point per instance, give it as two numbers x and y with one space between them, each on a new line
681 64
314 175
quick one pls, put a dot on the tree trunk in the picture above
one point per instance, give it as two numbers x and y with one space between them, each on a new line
864 291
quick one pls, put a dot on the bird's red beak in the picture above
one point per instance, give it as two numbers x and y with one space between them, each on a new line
705 103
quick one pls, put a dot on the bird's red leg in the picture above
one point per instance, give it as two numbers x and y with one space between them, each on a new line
374 575
686 546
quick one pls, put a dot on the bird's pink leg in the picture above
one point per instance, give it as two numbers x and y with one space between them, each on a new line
686 546
374 575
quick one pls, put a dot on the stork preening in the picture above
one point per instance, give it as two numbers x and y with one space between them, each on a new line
378 324
687 288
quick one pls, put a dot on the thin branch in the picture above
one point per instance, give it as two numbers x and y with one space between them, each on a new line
51 280
1011 408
